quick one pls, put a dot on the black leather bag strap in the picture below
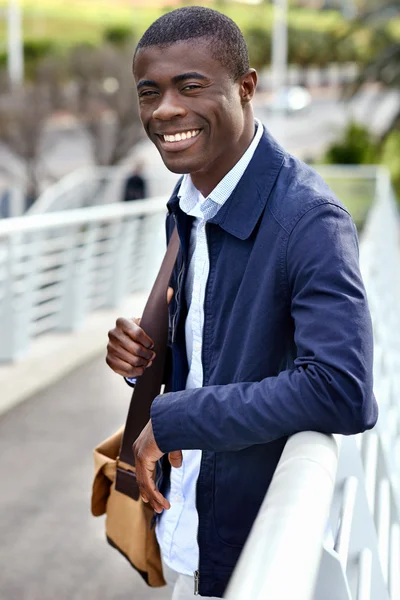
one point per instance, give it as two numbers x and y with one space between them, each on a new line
155 323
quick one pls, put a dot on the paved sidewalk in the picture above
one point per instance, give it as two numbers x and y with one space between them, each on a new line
51 547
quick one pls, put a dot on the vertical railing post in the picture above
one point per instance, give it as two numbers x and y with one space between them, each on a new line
122 233
78 258
17 312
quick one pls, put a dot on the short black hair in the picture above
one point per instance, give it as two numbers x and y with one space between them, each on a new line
195 22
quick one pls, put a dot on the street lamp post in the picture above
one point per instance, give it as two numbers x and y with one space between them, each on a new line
15 52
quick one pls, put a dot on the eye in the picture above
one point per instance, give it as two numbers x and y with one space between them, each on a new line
191 86
147 93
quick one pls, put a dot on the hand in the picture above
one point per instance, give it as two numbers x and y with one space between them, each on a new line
147 453
130 350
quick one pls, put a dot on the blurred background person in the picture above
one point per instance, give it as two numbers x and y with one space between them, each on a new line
135 185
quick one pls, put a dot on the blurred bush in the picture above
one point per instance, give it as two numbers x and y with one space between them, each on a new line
259 43
118 35
357 146
36 49
390 157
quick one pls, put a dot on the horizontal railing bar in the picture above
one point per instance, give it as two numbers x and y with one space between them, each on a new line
351 171
282 554
82 216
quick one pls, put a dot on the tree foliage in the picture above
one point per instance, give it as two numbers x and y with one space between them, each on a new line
384 66
94 86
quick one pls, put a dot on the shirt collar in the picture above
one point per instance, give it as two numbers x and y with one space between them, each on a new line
240 215
190 197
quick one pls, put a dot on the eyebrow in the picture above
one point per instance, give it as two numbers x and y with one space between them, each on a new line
146 83
176 79
185 76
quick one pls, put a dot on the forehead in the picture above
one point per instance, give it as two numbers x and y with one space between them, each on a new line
155 62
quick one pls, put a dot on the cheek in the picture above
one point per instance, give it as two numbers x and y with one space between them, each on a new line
145 115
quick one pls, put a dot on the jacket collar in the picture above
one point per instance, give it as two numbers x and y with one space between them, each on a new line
241 212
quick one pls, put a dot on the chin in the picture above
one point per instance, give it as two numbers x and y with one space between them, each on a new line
180 168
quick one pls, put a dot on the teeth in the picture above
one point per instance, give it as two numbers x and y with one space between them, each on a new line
185 135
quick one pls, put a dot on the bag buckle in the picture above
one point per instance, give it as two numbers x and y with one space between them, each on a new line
125 483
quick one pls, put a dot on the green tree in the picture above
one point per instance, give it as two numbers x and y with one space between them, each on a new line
384 66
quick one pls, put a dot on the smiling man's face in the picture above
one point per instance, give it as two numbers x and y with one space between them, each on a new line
192 110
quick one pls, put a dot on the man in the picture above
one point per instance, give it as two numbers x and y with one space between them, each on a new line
270 331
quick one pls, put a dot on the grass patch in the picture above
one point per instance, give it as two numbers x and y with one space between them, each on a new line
356 194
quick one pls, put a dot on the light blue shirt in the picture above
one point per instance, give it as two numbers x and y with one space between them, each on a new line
177 528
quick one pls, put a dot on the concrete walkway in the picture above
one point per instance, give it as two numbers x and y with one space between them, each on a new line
51 547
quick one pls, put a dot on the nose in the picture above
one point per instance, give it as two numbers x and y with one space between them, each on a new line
169 107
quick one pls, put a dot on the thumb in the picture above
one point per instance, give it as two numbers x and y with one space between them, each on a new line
170 293
175 458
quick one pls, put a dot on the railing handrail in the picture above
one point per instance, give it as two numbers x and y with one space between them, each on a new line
285 543
109 212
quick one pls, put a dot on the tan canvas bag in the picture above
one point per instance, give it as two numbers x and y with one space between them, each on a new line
115 491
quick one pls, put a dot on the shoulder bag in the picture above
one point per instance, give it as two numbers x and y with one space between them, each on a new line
115 491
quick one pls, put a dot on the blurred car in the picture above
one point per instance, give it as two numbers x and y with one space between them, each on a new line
290 100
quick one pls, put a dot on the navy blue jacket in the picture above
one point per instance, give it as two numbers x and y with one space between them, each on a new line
287 344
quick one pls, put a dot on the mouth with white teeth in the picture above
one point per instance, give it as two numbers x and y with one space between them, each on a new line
184 135
180 140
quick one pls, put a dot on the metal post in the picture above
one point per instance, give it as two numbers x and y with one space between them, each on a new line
15 52
279 50
279 68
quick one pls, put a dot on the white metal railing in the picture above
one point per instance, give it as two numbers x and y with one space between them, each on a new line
287 554
57 267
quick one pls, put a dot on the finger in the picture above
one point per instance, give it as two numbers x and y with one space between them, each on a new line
134 360
155 499
170 293
136 333
175 458
119 339
148 490
157 507
123 368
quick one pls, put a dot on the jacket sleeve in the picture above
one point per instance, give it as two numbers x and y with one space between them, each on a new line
329 389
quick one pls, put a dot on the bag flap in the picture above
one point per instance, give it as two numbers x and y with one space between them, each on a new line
105 466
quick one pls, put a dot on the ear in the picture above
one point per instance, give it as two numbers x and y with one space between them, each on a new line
248 84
